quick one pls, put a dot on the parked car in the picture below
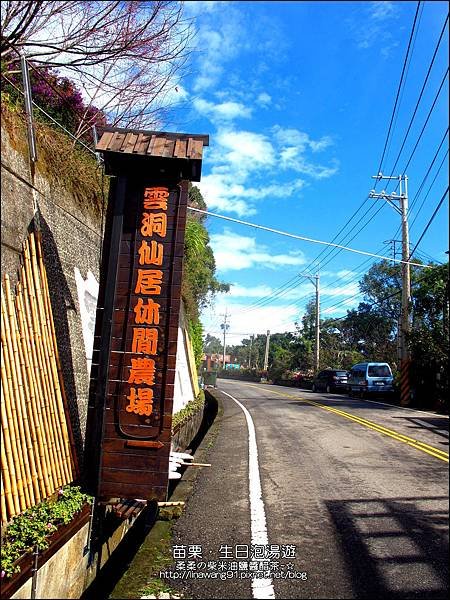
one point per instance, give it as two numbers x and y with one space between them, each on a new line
330 380
370 378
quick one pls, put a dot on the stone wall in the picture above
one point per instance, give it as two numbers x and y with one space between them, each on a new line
71 238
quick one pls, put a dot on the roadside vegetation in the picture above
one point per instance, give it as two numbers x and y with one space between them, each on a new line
366 333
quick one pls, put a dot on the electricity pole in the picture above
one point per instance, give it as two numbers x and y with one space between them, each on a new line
315 279
266 355
405 321
224 326
250 353
393 244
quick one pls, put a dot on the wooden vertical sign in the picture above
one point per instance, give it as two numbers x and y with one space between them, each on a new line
130 410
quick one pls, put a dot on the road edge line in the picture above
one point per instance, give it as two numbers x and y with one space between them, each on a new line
262 589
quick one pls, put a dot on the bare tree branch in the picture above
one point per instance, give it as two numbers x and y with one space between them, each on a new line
126 57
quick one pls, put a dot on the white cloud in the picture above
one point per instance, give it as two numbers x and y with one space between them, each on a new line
224 192
302 290
382 10
346 274
291 158
372 27
199 7
225 111
221 36
237 157
264 99
351 289
300 140
237 252
245 149
244 323
240 291
282 314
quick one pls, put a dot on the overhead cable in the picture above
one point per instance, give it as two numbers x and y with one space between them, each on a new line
399 87
300 237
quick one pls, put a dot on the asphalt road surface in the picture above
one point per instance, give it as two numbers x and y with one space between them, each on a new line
353 500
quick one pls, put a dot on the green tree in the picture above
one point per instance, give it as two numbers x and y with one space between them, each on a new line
199 281
429 337
212 345
369 332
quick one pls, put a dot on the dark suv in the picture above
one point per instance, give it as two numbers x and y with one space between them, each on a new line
330 380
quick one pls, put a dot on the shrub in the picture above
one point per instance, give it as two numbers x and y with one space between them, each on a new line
33 527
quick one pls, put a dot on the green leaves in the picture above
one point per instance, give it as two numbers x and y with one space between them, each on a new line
33 527
185 413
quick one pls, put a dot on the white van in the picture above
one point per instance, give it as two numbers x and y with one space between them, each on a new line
370 378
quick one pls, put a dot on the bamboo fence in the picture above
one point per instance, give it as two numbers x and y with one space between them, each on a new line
37 451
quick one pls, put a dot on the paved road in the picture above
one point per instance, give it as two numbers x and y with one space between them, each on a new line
358 488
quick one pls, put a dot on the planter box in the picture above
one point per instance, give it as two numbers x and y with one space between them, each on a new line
56 541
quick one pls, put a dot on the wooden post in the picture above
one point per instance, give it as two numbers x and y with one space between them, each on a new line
71 466
20 400
11 411
48 410
34 415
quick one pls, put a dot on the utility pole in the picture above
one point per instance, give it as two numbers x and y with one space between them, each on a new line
28 109
266 355
224 326
317 346
315 279
400 204
393 244
250 352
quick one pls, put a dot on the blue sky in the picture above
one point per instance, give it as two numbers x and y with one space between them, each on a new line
297 98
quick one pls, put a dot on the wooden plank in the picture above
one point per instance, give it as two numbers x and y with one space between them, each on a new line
180 149
142 144
151 144
105 140
142 465
117 141
118 445
189 147
196 150
131 476
144 444
148 492
169 147
129 143
158 146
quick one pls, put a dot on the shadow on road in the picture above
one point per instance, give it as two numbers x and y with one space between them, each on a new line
437 425
395 547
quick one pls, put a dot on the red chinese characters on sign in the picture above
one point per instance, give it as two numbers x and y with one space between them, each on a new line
144 345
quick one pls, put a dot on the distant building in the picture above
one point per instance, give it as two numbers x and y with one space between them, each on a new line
213 362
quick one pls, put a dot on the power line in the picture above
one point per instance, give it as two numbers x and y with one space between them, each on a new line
424 125
403 75
420 95
332 252
441 201
429 189
429 170
399 87
298 237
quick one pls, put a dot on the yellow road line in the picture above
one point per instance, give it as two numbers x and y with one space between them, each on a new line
431 450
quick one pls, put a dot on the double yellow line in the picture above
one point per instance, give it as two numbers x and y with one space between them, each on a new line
436 452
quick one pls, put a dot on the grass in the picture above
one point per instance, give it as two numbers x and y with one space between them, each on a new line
154 555
64 164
